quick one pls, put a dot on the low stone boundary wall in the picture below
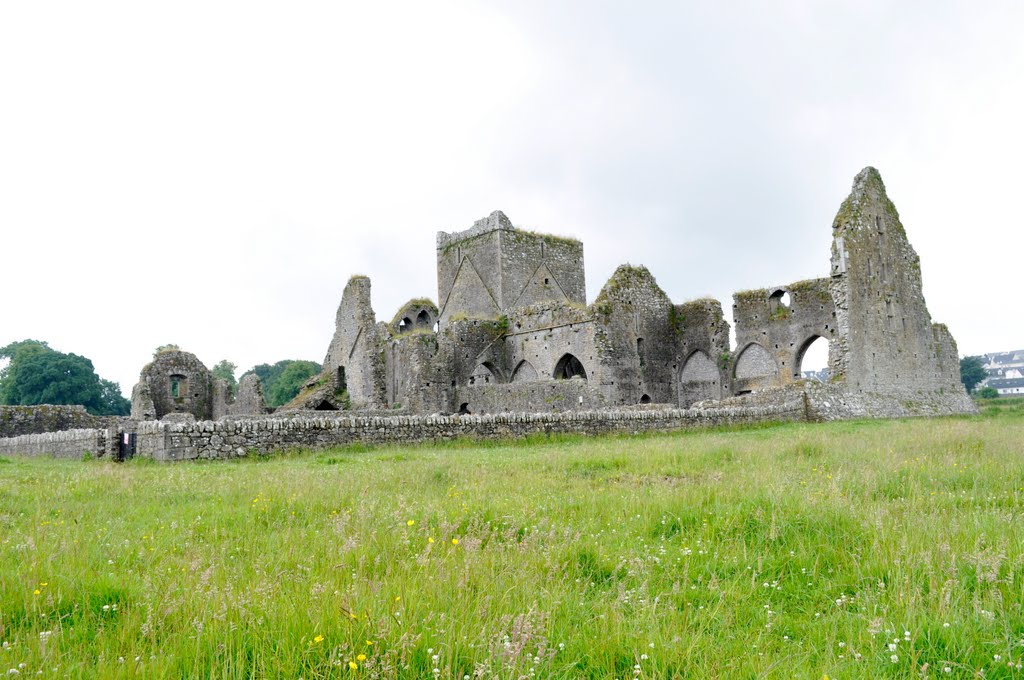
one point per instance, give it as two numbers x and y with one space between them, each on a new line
65 444
228 438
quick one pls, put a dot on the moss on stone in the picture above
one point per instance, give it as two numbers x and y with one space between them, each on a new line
627 276
816 286
549 239
415 303
752 295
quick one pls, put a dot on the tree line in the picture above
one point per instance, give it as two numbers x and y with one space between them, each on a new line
36 373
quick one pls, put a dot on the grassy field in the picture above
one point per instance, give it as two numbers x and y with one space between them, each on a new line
852 550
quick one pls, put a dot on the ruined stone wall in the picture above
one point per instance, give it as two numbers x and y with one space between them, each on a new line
222 397
638 339
492 268
416 315
466 348
947 360
541 335
174 382
230 438
246 399
772 337
469 270
539 267
888 342
414 380
19 420
704 356
548 396
249 399
356 348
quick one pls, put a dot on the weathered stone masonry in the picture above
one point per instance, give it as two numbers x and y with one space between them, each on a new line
231 438
513 330
20 420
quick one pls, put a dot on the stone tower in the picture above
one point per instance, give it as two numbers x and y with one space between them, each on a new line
493 267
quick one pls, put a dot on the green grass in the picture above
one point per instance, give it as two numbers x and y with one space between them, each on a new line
784 551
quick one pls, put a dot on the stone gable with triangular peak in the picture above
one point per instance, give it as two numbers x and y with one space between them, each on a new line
514 333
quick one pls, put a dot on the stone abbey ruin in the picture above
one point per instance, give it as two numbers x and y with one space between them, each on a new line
512 333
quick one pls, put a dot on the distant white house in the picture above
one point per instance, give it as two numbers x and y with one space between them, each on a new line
1005 372
1007 386
1014 359
820 376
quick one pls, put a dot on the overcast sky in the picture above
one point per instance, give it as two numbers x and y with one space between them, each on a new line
211 173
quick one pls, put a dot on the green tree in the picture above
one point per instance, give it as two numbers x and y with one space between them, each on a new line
291 380
38 374
987 393
112 402
225 370
270 375
972 371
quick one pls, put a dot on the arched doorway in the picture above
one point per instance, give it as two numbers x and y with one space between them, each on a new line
569 367
812 360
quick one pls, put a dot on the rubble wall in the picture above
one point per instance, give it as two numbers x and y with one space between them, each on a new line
230 439
19 420
67 444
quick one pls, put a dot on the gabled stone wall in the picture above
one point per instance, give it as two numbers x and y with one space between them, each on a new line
493 268
353 363
638 339
889 343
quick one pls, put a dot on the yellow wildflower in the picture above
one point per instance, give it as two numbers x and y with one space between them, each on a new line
455 541
318 639
353 665
410 522
361 657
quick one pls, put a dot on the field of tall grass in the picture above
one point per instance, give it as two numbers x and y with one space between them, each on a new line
849 550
